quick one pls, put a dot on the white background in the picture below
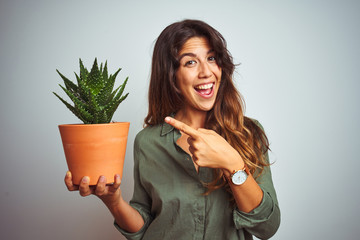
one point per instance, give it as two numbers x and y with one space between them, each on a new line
299 74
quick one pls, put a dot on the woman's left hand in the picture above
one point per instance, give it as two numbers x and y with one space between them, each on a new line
208 148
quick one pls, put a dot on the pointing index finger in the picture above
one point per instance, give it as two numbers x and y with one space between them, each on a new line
182 127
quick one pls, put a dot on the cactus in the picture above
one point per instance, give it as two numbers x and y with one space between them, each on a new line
94 99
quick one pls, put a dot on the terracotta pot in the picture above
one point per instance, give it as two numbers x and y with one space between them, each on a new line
95 149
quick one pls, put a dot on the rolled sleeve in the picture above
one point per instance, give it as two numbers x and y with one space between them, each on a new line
139 234
263 221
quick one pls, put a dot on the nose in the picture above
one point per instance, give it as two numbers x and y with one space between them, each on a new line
204 70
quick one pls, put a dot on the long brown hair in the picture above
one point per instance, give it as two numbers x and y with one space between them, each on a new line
227 116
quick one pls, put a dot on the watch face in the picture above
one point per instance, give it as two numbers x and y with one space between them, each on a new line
239 177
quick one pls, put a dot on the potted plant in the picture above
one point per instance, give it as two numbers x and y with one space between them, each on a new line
96 147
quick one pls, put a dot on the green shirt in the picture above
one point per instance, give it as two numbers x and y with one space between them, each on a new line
168 193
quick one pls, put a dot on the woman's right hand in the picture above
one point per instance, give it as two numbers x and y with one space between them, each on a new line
109 194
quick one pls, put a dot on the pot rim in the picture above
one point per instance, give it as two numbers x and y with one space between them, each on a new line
89 125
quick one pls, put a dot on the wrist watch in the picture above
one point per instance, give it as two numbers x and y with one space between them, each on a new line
238 177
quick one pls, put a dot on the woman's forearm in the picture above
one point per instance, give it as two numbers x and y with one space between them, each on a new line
128 218
247 195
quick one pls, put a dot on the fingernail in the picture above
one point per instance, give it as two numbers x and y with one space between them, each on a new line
68 174
167 119
102 179
86 179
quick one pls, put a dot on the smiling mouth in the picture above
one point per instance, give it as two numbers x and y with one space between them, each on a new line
205 89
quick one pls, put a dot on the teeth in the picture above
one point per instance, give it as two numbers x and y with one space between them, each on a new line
205 86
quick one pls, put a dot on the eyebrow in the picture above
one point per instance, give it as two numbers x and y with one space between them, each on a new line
193 55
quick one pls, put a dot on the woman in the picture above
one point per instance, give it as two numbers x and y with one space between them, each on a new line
201 167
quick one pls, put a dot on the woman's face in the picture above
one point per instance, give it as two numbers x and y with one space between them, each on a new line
198 76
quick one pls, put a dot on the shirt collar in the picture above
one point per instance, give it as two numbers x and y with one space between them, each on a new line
166 128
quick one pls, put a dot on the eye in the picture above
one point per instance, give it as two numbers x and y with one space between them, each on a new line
212 59
190 63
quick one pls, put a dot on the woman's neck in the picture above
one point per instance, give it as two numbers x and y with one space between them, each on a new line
192 117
